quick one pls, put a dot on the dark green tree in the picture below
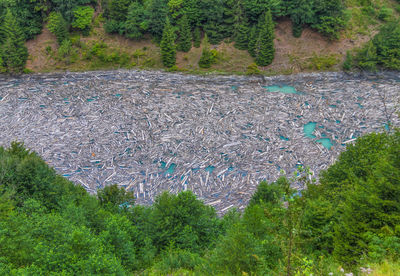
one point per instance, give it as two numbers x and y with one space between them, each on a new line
158 11
137 22
265 43
241 28
228 18
197 37
58 26
168 49
213 21
252 44
13 51
207 58
112 196
185 35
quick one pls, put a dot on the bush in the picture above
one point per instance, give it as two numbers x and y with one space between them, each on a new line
323 62
252 69
58 26
83 19
348 62
385 14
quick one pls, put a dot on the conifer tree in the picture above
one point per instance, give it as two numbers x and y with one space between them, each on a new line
158 11
197 37
228 18
251 47
207 58
168 49
185 35
241 28
13 51
265 50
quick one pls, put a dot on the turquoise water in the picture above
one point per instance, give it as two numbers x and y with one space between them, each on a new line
210 169
163 164
282 89
309 129
171 169
284 138
326 142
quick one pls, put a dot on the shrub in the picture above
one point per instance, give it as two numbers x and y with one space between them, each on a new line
252 69
323 62
348 62
83 19
385 13
58 26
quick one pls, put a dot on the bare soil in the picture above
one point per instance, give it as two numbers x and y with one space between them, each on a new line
291 53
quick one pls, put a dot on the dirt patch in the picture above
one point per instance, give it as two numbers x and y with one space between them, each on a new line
39 60
311 43
291 53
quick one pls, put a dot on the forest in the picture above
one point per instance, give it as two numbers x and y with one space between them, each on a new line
179 25
348 221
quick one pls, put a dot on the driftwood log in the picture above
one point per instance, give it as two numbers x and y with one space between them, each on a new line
218 136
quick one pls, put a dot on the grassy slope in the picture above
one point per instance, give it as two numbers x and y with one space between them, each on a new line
310 52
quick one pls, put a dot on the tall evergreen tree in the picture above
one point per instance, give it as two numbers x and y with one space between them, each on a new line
207 58
197 37
251 47
227 29
265 43
158 11
241 28
185 35
168 49
13 51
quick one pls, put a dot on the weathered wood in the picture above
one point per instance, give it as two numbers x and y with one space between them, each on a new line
218 136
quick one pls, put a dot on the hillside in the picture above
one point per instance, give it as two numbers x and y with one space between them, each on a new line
113 34
293 55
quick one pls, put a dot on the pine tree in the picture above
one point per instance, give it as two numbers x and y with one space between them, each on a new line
241 29
168 50
185 35
251 47
58 26
13 51
265 43
228 18
158 11
197 37
207 58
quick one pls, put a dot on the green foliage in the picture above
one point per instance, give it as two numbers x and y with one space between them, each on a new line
136 22
183 221
83 19
197 37
241 28
112 197
367 58
158 13
323 62
253 69
348 62
252 45
297 29
385 13
207 56
48 225
185 36
12 51
58 26
265 50
167 45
